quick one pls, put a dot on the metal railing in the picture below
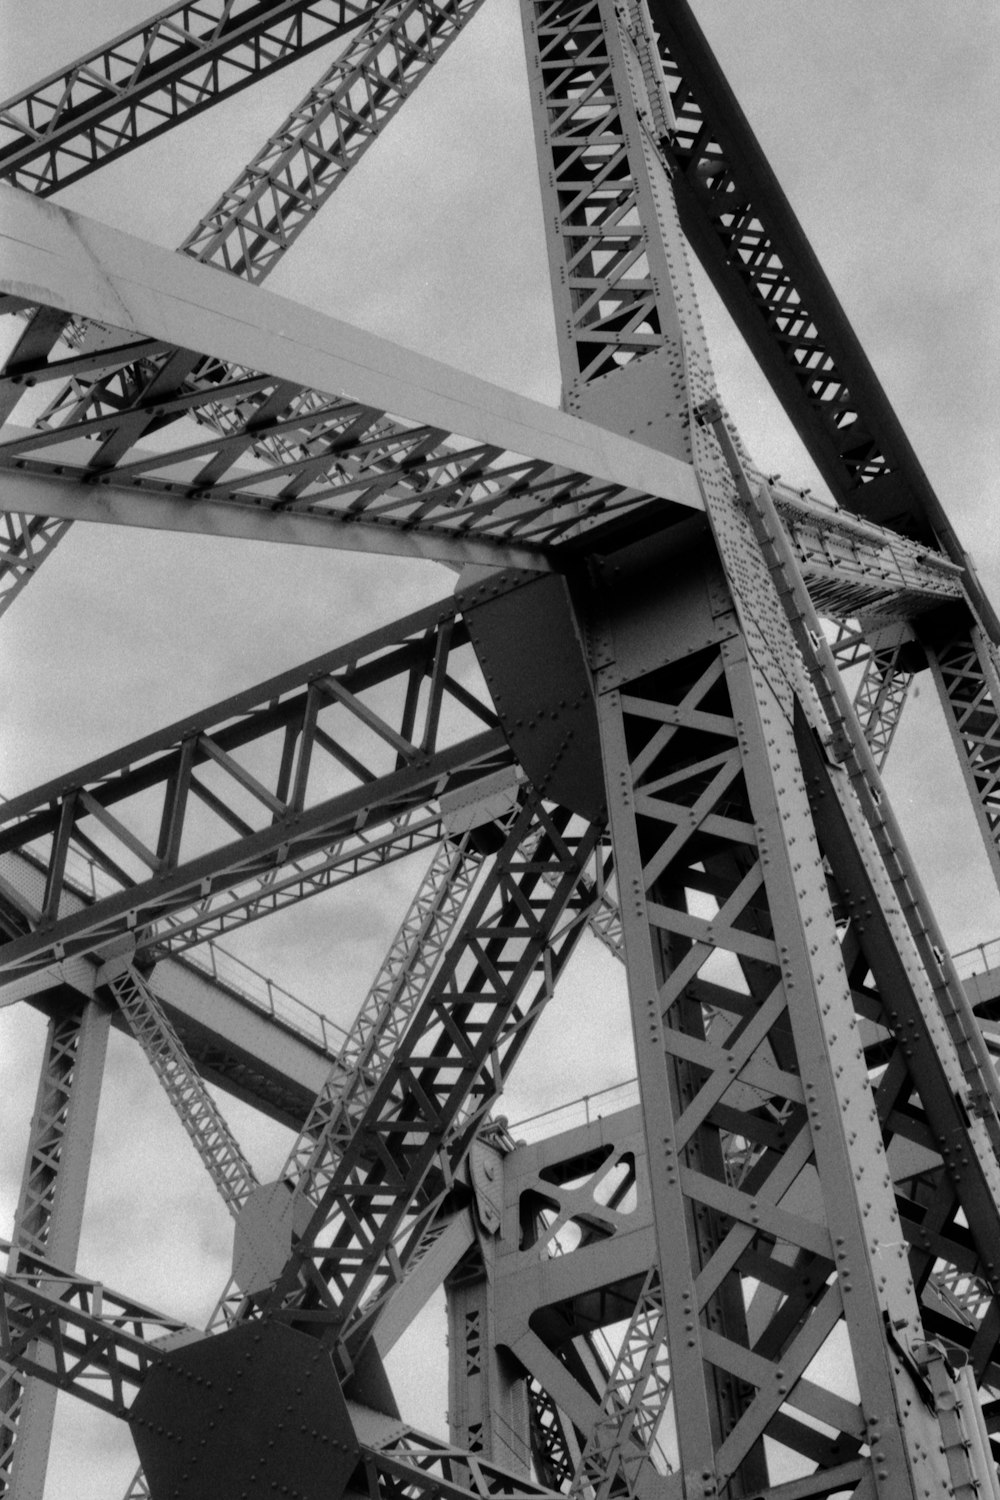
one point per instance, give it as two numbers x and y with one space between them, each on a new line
228 971
582 1111
978 959
280 1005
263 994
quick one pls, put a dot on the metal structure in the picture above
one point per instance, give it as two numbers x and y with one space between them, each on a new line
777 1274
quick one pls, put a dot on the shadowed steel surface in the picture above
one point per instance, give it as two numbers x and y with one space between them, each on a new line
773 1276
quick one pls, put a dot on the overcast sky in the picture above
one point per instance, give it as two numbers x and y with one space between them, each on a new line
881 123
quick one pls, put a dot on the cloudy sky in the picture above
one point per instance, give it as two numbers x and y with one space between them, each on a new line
881 123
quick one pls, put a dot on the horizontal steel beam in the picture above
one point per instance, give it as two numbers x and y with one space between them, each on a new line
335 756
100 1346
739 221
397 443
276 1063
41 494
857 570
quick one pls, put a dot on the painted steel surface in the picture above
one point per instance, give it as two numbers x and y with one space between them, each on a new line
795 1231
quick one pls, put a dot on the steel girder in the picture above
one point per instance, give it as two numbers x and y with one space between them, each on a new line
746 235
264 1242
739 221
766 687
271 203
192 1103
433 1093
634 1404
585 1196
98 1344
281 190
700 830
487 1389
149 79
399 987
376 480
966 671
368 1049
25 543
360 737
242 1032
880 699
49 1217
444 1075
623 351
103 1347
615 323
707 718
887 671
525 477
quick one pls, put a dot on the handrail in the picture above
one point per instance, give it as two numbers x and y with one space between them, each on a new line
288 1010
233 973
263 994
582 1111
978 958
987 952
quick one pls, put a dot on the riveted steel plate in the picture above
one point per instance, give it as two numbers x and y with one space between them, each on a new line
532 657
262 1241
255 1410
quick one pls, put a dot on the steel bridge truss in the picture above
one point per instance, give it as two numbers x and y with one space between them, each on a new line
774 1278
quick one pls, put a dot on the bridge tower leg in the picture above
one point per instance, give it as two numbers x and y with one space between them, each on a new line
49 1214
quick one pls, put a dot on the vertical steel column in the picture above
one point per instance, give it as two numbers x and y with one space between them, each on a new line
880 698
49 1216
724 897
487 1389
619 333
966 672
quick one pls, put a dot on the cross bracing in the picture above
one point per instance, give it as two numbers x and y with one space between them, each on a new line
180 61
863 580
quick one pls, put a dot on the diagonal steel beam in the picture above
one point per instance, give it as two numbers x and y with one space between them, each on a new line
460 462
632 1405
26 541
399 985
740 223
263 212
290 768
156 75
101 1346
445 1073
194 1106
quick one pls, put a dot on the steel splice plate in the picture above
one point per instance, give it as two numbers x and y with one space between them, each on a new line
256 1409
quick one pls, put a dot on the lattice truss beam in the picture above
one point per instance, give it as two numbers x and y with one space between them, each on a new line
279 192
718 940
327 132
525 477
506 510
49 1215
821 1122
342 753
430 1095
272 201
103 1347
176 64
